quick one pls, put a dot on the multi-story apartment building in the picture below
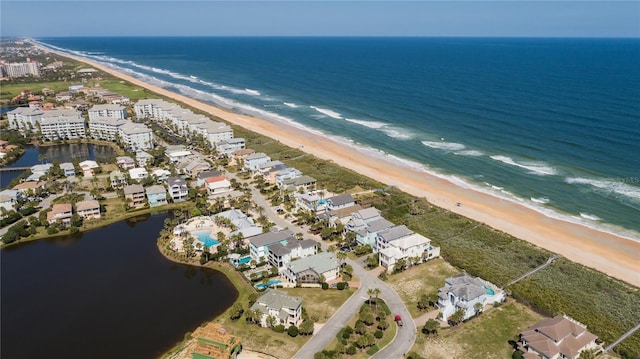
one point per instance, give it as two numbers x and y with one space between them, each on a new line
62 124
108 110
22 69
136 136
24 118
105 128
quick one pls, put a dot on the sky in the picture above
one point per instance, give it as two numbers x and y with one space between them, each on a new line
517 18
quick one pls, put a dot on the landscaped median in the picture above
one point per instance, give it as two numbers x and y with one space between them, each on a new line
366 333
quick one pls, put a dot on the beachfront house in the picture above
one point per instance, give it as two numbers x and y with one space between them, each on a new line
254 161
283 252
303 183
258 245
555 338
411 249
286 310
60 213
309 201
156 195
227 147
286 174
339 216
245 226
134 195
88 209
178 189
340 201
118 179
312 269
361 219
369 234
463 292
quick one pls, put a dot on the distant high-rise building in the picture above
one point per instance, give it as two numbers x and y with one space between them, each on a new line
22 69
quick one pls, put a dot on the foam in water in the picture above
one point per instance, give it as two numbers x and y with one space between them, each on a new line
290 104
590 216
252 92
370 124
608 186
396 133
442 145
470 153
537 168
327 112
541 200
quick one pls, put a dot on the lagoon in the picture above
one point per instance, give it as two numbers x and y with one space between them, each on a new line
108 293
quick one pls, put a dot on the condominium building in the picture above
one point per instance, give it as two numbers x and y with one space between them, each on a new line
62 127
105 128
136 136
24 118
108 110
22 69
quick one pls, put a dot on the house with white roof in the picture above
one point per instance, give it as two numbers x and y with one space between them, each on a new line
125 162
254 161
88 167
68 169
138 173
309 201
258 245
245 226
286 174
161 174
38 171
283 252
118 179
177 155
414 248
195 167
555 338
227 147
7 203
286 310
156 195
463 292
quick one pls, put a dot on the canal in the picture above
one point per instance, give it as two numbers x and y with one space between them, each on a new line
107 293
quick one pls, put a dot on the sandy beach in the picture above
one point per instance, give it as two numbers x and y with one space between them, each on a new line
616 256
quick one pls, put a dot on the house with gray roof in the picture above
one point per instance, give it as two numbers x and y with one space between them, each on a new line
385 237
310 269
134 195
555 338
368 234
157 196
304 182
68 169
467 293
282 253
202 176
178 189
340 201
253 161
286 310
258 245
360 219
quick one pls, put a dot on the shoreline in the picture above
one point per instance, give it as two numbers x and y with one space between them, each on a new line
614 255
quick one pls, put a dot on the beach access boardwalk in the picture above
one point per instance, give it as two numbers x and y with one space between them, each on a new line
549 261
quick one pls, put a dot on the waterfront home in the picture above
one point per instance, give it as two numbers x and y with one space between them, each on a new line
216 185
195 167
361 219
286 310
29 188
6 204
213 342
68 169
117 179
134 195
10 197
88 167
75 87
88 209
303 183
143 159
204 175
414 248
227 147
138 173
368 235
161 174
313 268
244 225
136 136
253 162
384 237
108 110
178 189
258 245
266 167
282 253
125 162
285 174
555 338
38 171
309 202
270 175
340 201
157 196
61 213
467 293
243 153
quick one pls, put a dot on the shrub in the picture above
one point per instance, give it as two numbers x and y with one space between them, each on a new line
374 349
341 285
325 285
351 349
293 331
378 334
414 355
279 328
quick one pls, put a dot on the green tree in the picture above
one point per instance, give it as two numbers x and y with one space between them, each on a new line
423 303
271 321
456 317
306 328
292 331
236 311
431 327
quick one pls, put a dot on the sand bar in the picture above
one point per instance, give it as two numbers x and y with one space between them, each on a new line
616 256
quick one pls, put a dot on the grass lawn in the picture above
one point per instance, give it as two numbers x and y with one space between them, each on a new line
11 90
486 336
318 303
425 278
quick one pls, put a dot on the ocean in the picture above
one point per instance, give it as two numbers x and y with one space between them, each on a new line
553 124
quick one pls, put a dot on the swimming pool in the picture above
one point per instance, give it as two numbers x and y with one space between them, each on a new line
260 286
488 290
273 282
205 238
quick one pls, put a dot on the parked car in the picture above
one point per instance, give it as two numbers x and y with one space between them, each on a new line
399 321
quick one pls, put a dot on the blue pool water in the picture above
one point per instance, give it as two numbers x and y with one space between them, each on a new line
244 260
273 282
489 291
205 238
260 286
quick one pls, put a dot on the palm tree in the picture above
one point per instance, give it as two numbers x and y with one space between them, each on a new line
370 293
376 293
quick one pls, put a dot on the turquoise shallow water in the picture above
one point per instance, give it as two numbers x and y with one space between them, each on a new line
551 123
